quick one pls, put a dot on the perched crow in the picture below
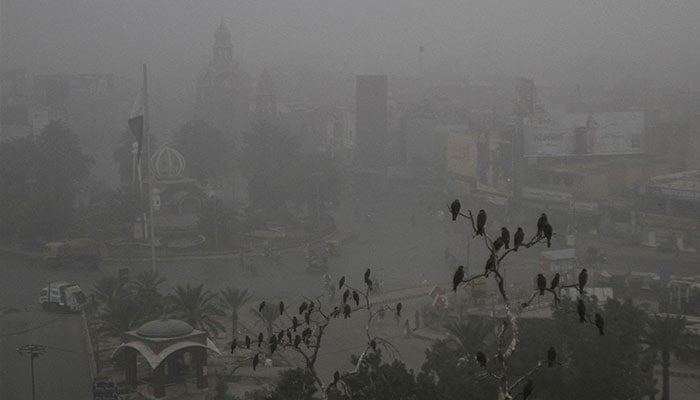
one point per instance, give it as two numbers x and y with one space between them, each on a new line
518 238
234 343
256 360
581 309
527 391
306 334
311 306
540 225
481 359
336 312
490 264
260 339
341 282
555 281
307 317
399 306
454 209
346 294
541 283
297 340
498 243
261 306
600 323
373 344
247 341
480 222
505 235
280 336
356 297
551 356
295 323
367 274
273 346
302 308
336 377
582 279
346 311
281 307
289 336
548 234
457 278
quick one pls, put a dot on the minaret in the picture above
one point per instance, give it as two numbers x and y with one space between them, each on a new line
265 100
223 49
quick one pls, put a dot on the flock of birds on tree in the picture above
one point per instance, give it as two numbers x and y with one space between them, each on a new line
502 241
294 336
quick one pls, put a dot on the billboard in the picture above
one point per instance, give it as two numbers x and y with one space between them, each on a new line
604 133
462 154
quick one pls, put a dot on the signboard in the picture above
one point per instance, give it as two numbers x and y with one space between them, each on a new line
546 195
680 194
666 221
462 154
604 133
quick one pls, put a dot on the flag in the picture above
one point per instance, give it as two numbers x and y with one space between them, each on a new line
136 119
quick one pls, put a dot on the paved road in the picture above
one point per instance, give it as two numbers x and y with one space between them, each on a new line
63 372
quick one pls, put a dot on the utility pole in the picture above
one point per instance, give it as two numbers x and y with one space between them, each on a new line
32 351
147 133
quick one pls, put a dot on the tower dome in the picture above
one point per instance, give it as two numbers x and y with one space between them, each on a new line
168 163
222 36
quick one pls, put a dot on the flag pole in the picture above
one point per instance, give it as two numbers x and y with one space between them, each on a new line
146 129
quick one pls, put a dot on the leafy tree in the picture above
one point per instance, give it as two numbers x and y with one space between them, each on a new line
118 309
233 299
197 307
49 166
267 316
667 336
296 383
206 150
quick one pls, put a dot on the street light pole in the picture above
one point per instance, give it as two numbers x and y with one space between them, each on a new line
32 351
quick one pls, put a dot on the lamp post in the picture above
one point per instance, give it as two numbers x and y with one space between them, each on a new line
32 351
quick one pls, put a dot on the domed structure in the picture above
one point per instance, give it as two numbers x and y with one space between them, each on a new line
168 164
222 36
165 328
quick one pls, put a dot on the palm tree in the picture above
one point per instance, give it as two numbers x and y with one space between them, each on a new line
108 288
146 286
668 335
268 316
470 334
233 299
197 307
120 315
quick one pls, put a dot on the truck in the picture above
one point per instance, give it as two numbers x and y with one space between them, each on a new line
62 296
83 252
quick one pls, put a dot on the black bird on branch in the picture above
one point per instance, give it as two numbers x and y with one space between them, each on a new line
505 236
518 238
273 343
346 294
289 336
280 336
256 360
581 310
281 307
336 378
341 282
356 297
582 280
373 344
490 264
481 359
297 340
234 343
480 222
336 312
346 311
260 339
367 272
600 324
311 306
261 306
457 278
307 317
295 323
498 243
247 341
555 281
551 356
540 225
548 234
454 209
541 283
399 306
303 307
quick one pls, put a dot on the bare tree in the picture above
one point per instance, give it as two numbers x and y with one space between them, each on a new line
507 338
